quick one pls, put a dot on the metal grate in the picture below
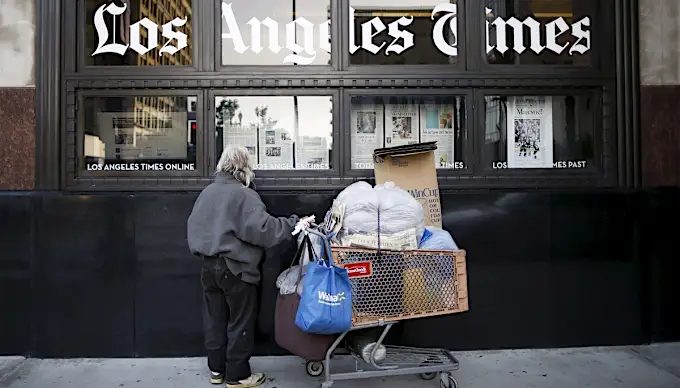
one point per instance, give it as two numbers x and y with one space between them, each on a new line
405 285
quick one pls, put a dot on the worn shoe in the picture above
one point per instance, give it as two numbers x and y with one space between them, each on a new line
254 380
216 378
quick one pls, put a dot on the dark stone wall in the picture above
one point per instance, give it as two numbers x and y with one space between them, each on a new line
17 131
660 132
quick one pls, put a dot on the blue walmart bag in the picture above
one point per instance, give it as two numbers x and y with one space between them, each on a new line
326 301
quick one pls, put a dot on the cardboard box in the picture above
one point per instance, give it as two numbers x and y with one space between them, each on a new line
412 168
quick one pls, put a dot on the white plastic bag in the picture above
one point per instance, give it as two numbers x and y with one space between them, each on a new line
317 248
290 281
361 208
399 211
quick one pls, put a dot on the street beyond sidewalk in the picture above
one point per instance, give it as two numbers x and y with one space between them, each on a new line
656 366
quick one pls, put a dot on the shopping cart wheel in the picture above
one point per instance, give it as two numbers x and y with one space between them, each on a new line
446 380
314 368
428 376
429 362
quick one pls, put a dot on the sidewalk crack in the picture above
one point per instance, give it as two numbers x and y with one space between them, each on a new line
652 362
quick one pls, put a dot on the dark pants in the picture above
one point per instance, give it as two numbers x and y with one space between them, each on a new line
229 318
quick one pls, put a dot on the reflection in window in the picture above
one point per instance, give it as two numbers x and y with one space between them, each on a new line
281 132
539 132
382 13
275 32
127 129
378 122
565 15
158 11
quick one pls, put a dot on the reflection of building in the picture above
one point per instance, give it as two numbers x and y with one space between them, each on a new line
152 115
161 12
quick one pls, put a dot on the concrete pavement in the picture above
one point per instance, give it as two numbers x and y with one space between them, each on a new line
654 366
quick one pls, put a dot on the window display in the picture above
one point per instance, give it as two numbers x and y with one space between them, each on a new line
378 122
139 133
281 132
539 131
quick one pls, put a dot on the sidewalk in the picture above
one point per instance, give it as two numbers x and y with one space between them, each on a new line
655 366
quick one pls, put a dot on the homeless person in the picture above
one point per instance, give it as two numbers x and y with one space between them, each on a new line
229 228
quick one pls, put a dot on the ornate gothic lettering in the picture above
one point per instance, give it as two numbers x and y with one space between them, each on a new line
301 35
438 32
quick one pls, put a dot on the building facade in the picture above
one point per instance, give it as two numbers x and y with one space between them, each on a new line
557 157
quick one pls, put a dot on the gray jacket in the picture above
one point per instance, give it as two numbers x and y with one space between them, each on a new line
230 221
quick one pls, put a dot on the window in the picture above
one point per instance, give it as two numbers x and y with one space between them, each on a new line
275 32
539 32
134 23
281 132
261 73
134 133
378 122
375 21
540 132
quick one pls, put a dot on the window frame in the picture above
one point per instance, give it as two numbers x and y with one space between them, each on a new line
76 17
249 70
416 93
76 176
334 172
58 78
601 125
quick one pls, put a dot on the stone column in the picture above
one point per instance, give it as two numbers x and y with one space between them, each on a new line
660 91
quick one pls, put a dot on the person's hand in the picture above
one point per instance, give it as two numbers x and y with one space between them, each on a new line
303 224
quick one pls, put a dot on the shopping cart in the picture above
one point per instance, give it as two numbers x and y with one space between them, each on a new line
391 286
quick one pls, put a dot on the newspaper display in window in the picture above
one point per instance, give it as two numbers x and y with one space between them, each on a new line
127 136
245 135
530 132
276 148
312 153
436 124
401 122
367 134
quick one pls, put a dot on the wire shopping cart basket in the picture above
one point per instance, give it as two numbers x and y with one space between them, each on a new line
392 286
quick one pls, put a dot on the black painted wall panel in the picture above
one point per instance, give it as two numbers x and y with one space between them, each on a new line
167 283
660 244
111 275
16 255
84 288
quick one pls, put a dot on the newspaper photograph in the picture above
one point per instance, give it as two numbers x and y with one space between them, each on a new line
367 134
530 132
129 139
312 153
436 124
276 148
401 121
245 135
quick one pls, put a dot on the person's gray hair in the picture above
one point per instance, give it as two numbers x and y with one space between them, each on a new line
235 160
